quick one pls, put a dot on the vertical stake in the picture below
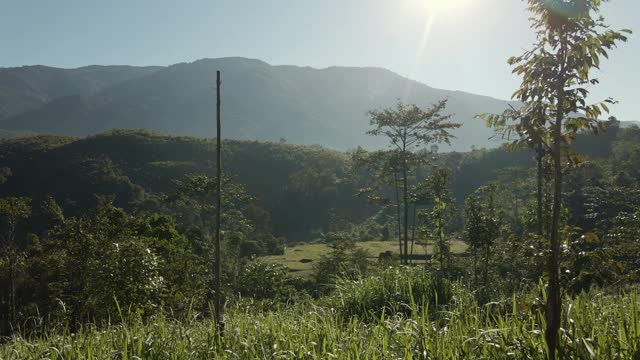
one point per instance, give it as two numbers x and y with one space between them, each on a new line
218 265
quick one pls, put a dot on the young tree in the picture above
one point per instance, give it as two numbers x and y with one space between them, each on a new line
438 218
13 211
571 37
527 123
482 226
408 128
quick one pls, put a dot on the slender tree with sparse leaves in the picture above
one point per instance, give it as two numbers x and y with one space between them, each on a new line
571 39
408 128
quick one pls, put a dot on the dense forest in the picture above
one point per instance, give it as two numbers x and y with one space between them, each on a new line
530 250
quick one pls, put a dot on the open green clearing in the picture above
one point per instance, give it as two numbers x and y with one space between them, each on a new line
300 258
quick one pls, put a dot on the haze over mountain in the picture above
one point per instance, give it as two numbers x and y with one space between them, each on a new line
29 87
302 105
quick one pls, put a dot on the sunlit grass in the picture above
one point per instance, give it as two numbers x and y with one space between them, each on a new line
596 326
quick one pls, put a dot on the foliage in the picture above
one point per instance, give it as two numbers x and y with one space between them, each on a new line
571 36
408 127
597 325
437 220
344 260
484 225
116 260
259 280
608 261
392 291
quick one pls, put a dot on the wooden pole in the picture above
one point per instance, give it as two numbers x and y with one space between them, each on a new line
218 265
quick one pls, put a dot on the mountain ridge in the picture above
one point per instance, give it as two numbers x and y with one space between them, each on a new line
303 105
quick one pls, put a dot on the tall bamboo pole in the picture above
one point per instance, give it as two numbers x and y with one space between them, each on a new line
218 265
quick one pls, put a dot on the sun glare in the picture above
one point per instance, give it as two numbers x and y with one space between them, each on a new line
440 6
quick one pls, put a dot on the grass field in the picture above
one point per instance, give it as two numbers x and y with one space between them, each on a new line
595 326
301 258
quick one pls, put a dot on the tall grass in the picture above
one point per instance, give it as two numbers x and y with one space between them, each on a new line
596 326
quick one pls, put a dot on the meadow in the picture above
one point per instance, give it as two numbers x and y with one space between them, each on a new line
300 258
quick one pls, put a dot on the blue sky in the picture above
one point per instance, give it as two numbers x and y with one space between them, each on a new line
466 47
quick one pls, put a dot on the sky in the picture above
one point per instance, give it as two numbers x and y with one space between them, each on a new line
460 46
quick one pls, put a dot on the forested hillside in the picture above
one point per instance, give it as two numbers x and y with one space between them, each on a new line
297 185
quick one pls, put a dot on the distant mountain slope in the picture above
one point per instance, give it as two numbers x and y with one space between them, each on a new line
6 134
30 87
628 124
260 102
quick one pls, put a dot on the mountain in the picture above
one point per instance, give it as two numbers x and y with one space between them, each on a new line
6 134
30 87
301 105
628 124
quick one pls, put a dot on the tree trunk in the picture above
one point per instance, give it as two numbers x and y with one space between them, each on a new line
395 175
405 199
539 184
413 227
554 300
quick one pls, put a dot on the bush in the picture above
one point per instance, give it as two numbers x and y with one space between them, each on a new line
263 281
394 290
344 260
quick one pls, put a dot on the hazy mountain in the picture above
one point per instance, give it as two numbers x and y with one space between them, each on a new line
628 124
6 134
30 87
259 101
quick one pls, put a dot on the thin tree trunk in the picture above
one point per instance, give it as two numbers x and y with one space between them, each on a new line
413 228
406 212
539 183
395 175
554 304
554 300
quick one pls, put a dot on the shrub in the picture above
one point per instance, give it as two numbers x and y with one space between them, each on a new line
344 260
393 291
261 281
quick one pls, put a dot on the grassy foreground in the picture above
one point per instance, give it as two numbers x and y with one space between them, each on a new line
596 326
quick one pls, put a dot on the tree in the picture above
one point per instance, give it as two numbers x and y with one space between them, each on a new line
408 127
143 262
193 200
13 211
383 171
437 220
528 124
571 37
482 226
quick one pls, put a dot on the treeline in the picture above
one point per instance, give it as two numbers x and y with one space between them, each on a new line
299 186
